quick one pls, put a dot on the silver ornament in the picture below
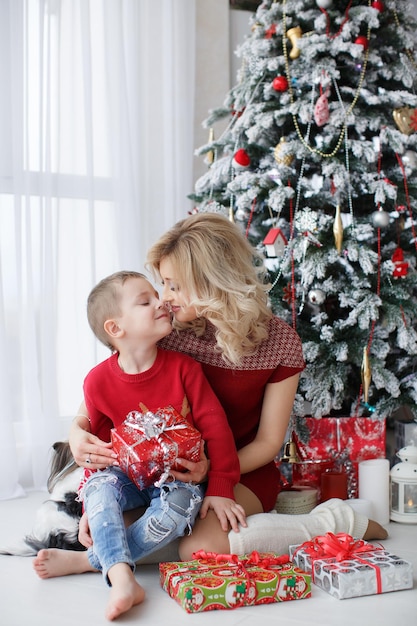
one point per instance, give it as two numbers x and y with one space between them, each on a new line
316 296
409 158
380 219
324 4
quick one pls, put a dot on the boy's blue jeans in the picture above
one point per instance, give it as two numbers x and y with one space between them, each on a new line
171 510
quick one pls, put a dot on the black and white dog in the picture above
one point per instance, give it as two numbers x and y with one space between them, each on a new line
57 519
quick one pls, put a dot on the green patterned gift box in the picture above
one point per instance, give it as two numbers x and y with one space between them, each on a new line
218 581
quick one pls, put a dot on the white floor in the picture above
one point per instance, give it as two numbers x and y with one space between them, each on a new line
80 600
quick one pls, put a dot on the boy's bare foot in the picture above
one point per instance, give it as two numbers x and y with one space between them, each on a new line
125 592
375 531
55 562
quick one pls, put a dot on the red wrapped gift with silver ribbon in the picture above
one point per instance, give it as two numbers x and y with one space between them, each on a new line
148 444
348 568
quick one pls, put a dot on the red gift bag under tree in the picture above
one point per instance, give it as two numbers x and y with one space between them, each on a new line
344 442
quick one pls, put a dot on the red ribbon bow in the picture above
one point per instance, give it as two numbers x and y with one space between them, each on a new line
340 546
254 558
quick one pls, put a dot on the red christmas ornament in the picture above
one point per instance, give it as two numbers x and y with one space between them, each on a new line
271 31
378 5
280 83
362 41
237 113
241 159
401 266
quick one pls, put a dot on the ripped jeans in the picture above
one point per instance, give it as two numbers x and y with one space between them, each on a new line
171 511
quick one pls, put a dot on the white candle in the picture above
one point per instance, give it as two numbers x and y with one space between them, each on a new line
374 486
364 507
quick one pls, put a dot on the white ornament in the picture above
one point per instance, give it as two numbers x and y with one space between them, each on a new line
324 4
316 296
409 158
306 220
380 219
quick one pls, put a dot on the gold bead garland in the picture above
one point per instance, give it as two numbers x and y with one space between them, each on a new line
351 107
407 51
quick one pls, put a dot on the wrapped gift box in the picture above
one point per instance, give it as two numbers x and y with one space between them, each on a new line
343 440
214 581
347 568
148 444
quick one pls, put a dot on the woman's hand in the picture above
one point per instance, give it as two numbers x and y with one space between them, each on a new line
229 512
88 450
193 472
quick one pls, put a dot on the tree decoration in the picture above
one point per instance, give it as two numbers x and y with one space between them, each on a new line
275 243
378 5
401 266
338 230
271 31
280 83
366 373
279 157
410 159
210 153
348 110
294 34
241 160
405 119
362 41
323 6
317 296
380 218
306 220
321 108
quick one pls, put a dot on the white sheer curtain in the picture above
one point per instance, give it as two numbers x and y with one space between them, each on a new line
96 136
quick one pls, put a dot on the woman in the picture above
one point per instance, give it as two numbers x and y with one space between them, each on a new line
213 284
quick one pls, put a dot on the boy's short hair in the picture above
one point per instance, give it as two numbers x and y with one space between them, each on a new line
103 303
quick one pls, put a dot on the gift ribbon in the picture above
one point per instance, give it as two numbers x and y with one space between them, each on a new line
340 547
254 558
151 425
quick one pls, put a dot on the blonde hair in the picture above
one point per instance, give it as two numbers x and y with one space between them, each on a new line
223 277
103 303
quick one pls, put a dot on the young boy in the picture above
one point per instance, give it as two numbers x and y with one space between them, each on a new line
125 313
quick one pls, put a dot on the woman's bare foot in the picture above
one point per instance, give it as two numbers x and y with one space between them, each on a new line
55 562
125 592
375 531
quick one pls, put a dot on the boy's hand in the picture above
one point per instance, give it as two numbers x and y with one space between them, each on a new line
84 536
229 512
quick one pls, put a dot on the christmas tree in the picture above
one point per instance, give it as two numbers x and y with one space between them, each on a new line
318 164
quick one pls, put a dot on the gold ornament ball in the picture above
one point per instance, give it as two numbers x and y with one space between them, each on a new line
285 159
402 118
